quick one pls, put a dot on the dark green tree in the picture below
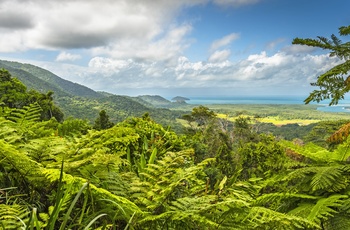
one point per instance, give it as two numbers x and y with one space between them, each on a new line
201 115
243 131
12 91
102 122
14 94
335 83
49 109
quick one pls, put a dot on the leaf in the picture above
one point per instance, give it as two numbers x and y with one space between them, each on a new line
153 156
324 208
222 183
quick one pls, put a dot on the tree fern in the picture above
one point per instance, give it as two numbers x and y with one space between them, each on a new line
321 211
263 218
45 150
318 153
11 214
340 135
8 131
26 114
321 178
281 201
329 178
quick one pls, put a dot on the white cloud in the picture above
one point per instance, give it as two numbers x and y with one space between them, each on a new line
139 44
280 72
65 56
167 48
222 42
220 56
104 24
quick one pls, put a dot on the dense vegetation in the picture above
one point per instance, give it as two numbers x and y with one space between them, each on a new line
138 174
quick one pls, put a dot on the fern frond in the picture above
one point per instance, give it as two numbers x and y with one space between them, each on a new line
276 198
313 152
29 113
340 135
77 182
328 178
303 209
321 178
12 215
263 218
8 131
325 208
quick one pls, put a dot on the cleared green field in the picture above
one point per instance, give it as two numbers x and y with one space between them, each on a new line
276 114
276 120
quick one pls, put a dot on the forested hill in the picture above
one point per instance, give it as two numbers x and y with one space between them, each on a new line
84 103
43 80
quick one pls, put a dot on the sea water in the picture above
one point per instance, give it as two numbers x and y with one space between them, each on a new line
343 106
246 100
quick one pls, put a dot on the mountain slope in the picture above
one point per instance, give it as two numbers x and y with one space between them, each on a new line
82 102
43 80
31 81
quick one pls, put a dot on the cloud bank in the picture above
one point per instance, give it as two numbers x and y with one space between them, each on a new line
140 44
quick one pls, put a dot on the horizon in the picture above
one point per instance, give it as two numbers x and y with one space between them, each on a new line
212 47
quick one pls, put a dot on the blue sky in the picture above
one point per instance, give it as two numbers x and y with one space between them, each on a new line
174 47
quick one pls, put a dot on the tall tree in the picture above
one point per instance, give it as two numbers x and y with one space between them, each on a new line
12 91
102 122
335 83
49 109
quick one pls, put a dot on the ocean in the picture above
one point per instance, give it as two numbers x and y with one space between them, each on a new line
245 100
343 106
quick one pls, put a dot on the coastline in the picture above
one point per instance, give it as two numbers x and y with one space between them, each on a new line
342 107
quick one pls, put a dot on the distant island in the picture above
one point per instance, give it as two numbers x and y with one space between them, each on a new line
180 99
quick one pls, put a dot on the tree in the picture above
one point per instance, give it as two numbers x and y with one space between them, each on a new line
12 91
49 109
335 83
102 122
201 115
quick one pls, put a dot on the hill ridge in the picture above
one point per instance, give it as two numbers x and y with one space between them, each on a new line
43 80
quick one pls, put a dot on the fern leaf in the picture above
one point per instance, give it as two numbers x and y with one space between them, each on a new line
328 178
29 113
263 218
340 135
278 197
324 208
12 215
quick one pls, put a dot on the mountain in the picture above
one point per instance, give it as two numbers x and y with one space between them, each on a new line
43 80
82 102
156 100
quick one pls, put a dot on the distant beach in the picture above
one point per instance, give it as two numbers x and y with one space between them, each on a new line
343 106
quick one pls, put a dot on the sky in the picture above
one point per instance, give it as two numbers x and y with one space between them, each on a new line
192 48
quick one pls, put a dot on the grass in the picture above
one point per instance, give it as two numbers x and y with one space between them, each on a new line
276 114
276 120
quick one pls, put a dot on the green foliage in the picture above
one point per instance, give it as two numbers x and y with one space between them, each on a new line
201 115
9 215
102 122
262 159
335 83
14 95
12 91
72 126
140 175
322 131
320 154
42 80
